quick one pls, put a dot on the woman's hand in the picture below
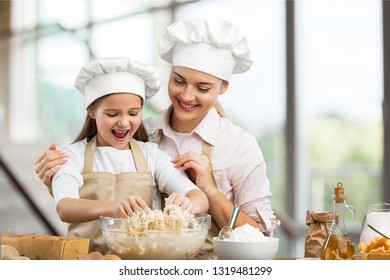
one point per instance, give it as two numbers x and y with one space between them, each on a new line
181 201
197 167
128 206
48 163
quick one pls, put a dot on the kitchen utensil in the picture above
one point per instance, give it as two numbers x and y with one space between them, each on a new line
226 230
377 231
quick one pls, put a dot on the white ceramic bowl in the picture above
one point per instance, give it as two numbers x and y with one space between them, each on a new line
265 249
155 245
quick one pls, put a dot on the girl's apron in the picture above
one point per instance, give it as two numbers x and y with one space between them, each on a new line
110 187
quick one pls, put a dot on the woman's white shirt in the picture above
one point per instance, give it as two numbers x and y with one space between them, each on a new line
238 163
68 181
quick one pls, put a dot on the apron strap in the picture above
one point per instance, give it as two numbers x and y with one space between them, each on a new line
207 150
138 156
89 155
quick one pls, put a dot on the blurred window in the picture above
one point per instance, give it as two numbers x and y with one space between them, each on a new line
340 90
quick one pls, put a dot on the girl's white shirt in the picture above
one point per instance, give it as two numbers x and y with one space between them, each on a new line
68 181
238 163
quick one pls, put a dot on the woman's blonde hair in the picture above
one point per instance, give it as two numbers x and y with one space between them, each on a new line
220 109
89 129
218 105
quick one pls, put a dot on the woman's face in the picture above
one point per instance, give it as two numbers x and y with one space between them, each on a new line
193 93
118 117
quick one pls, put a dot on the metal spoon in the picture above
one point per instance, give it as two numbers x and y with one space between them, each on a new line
374 229
226 230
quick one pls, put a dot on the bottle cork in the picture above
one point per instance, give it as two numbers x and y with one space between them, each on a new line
339 193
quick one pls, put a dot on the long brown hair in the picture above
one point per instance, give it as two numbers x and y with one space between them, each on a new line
89 129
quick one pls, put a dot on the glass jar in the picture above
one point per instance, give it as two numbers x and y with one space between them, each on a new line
378 216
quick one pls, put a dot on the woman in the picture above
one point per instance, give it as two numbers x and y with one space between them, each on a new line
194 132
109 173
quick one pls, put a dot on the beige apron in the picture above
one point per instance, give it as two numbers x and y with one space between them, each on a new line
110 187
207 150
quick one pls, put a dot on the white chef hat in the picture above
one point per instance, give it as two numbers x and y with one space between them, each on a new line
116 74
212 46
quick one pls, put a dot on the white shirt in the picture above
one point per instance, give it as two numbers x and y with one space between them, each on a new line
68 180
238 163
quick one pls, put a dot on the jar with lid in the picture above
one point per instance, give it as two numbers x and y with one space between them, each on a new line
337 244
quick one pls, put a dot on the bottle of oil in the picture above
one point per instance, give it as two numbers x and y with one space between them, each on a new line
338 245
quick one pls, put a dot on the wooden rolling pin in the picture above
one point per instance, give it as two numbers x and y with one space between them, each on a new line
10 253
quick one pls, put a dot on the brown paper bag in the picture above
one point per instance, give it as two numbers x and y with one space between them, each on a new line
319 223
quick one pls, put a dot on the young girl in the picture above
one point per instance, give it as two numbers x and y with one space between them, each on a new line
108 172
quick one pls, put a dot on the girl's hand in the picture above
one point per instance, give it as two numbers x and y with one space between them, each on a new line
128 206
180 200
197 167
48 163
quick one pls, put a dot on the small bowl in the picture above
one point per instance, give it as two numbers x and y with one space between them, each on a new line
154 244
264 249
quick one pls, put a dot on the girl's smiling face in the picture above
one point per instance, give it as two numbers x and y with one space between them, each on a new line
118 116
193 93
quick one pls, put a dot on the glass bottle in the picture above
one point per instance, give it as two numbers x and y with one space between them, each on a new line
338 245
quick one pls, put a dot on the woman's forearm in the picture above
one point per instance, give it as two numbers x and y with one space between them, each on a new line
221 209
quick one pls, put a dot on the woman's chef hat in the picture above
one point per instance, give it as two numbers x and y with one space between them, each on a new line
212 46
117 74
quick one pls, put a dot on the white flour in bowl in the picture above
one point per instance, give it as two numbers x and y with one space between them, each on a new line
246 233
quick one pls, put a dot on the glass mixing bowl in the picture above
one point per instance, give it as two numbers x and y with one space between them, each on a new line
154 244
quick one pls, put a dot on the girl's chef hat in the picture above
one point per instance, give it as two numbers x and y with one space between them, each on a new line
117 74
212 46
